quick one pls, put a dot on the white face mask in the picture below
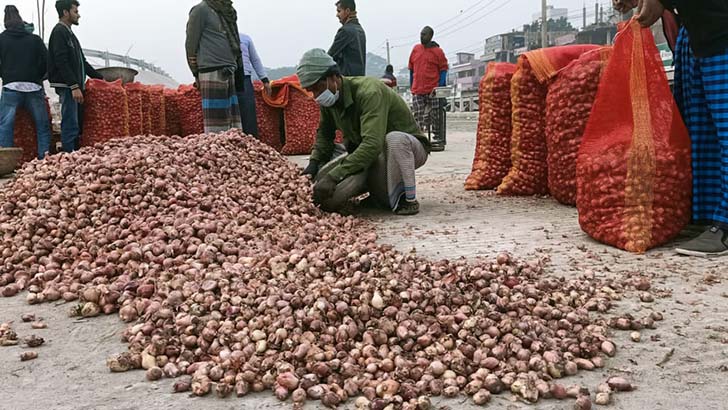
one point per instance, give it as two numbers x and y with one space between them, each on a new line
327 99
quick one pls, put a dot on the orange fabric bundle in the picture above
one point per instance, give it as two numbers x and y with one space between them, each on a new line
493 147
189 102
157 114
106 112
171 112
269 120
529 171
568 105
634 167
135 98
301 119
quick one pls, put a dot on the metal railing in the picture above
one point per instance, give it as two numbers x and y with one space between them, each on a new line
126 60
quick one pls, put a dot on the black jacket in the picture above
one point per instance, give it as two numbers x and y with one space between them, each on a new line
66 62
350 49
706 22
23 57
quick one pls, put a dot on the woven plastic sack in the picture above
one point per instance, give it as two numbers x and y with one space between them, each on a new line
493 147
634 169
25 135
269 120
568 105
157 112
301 119
189 102
171 112
106 112
135 99
529 171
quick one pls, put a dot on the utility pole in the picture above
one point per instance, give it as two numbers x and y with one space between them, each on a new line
388 59
544 25
584 24
596 13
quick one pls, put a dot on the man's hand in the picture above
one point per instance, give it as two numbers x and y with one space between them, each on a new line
649 11
624 6
312 169
267 88
77 95
324 189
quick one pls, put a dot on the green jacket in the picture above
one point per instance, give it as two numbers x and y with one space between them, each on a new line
366 112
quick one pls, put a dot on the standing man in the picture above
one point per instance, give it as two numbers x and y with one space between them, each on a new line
23 67
428 70
214 57
383 142
701 76
388 77
67 72
350 44
251 63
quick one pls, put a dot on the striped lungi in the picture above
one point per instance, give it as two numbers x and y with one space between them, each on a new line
701 90
220 107
424 109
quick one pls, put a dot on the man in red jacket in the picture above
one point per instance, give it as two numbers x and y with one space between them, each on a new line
428 70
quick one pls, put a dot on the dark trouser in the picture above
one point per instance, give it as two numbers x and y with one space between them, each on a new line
34 102
247 108
71 120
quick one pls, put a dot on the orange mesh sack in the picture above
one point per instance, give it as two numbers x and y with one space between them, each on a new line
106 112
157 114
493 147
269 120
134 96
301 118
634 171
568 105
189 102
529 171
25 135
171 112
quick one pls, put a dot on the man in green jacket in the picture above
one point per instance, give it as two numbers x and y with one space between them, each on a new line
382 143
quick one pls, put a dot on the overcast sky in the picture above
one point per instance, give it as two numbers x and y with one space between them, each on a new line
284 29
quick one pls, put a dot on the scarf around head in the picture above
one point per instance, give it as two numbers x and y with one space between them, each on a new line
226 11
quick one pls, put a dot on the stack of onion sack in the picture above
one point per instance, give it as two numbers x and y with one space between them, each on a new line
157 113
568 105
301 120
135 98
189 104
233 282
269 120
634 168
493 148
171 112
25 135
106 112
529 171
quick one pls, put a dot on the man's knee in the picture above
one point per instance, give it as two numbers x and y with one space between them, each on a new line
397 138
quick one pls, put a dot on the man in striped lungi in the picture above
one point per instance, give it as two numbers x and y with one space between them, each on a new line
215 58
701 79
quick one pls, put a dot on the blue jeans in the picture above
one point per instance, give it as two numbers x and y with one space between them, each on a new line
35 103
70 120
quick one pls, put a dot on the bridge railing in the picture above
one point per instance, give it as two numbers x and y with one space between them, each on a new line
127 61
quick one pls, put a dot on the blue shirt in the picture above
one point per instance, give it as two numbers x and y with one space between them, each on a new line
251 59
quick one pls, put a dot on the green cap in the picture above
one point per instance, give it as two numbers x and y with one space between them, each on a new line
314 65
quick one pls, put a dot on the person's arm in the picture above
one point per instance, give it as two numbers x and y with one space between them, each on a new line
323 149
91 71
443 66
195 25
374 116
42 60
61 55
341 41
257 63
411 66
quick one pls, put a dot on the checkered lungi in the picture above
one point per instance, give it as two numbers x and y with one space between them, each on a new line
220 109
701 90
424 109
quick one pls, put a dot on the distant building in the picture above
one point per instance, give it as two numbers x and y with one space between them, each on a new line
500 48
466 72
552 13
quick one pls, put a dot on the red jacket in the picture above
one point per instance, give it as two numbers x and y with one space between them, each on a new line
426 63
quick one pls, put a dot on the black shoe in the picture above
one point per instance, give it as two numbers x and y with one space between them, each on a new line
437 147
407 208
713 242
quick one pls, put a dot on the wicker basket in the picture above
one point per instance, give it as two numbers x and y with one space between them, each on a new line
9 158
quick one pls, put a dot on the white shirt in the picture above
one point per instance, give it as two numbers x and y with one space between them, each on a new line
23 87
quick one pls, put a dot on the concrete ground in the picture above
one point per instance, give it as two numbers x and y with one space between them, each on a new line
683 364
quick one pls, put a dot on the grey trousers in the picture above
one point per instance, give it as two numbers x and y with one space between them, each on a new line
386 178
